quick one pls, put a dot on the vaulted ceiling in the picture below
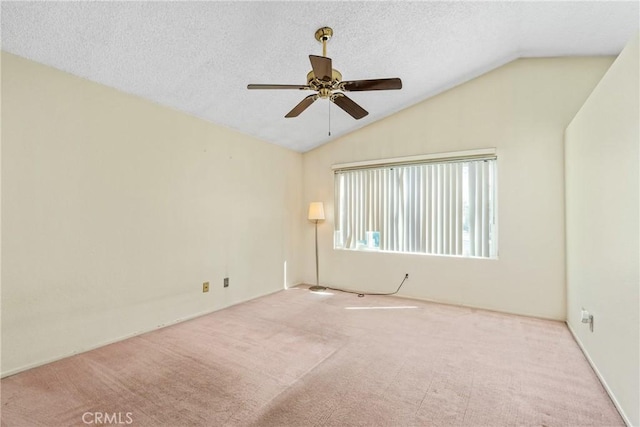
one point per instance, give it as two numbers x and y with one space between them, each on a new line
198 57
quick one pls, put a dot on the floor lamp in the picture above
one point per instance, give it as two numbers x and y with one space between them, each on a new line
316 213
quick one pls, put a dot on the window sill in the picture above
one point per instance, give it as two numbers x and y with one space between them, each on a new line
378 250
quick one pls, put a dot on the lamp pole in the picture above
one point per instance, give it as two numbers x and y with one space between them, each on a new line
317 269
316 213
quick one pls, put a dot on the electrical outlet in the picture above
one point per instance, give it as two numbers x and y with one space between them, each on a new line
205 287
226 282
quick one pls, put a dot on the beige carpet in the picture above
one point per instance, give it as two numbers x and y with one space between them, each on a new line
296 358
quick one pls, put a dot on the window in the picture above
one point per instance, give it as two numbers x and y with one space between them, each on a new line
444 206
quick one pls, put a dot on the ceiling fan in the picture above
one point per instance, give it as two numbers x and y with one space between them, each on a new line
328 83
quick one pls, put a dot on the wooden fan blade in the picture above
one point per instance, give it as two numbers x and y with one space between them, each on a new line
321 67
303 105
376 84
254 86
349 105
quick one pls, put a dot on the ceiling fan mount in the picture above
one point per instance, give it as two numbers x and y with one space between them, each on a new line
328 83
324 34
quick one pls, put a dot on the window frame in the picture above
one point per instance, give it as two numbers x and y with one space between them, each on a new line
490 193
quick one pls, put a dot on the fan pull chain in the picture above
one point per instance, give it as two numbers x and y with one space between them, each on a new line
329 118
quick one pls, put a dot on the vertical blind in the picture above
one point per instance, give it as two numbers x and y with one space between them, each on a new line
446 208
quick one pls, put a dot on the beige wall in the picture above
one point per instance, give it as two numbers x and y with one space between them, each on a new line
521 109
115 210
603 213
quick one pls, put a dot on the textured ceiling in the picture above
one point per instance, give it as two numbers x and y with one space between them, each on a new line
198 57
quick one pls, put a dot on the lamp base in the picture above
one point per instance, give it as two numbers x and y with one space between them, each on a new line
316 288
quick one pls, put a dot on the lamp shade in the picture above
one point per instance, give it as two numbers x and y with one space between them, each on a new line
316 211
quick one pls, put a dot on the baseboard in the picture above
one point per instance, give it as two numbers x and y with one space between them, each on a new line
450 303
478 307
125 337
600 377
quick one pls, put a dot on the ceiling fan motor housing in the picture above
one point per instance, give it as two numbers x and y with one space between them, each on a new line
323 85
